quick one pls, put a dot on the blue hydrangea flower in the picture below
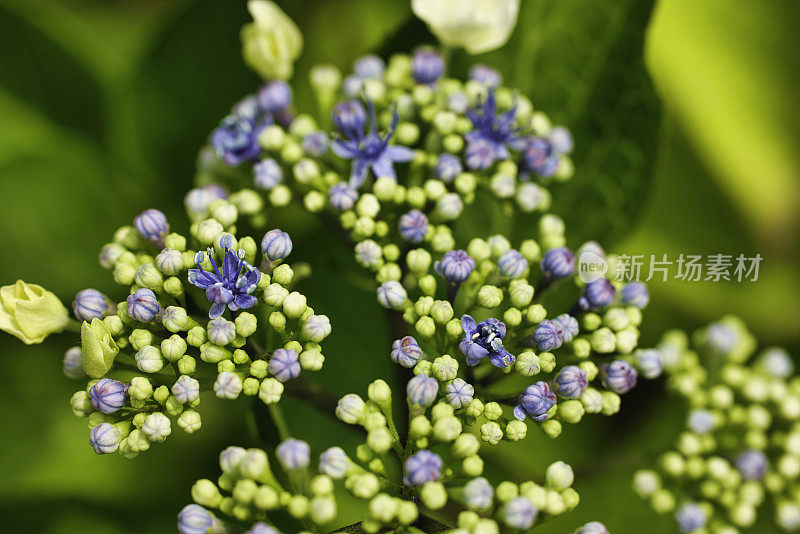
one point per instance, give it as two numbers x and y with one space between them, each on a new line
619 376
598 294
406 352
571 381
520 513
548 335
370 150
540 157
232 286
342 196
194 519
512 264
459 393
635 294
413 226
293 454
492 134
558 263
90 304
108 395
284 365
236 139
478 494
143 305
267 174
535 402
427 66
104 438
421 390
691 517
486 75
424 466
152 225
275 96
448 167
484 339
752 464
455 266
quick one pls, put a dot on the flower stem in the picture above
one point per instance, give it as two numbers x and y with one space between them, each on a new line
279 420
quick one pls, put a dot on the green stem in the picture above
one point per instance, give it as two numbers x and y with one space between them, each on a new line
276 413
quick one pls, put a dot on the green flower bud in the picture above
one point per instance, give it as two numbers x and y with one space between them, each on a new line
380 393
454 330
140 388
175 319
435 189
433 495
364 486
512 317
551 428
423 305
427 284
294 305
527 364
250 386
444 368
368 206
530 250
196 336
627 340
140 338
441 311
379 440
207 231
277 321
570 411
384 188
591 321
246 324
473 465
611 402
465 183
224 212
388 272
581 348
479 250
173 286
311 360
467 520
81 404
559 476
492 411
490 296
274 294
516 430
189 421
244 491
283 275
422 367
571 499
520 293
425 327
465 445
535 314
616 319
475 408
98 347
270 391
212 353
446 429
491 433
419 427
592 400
280 196
662 502
547 361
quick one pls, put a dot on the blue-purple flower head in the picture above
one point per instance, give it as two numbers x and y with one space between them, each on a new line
424 466
485 75
535 402
368 149
152 225
549 335
558 263
231 287
104 438
619 376
276 245
293 454
459 393
406 352
691 517
90 304
599 293
752 465
512 264
413 226
284 364
421 390
194 519
275 96
267 174
427 66
492 134
342 196
108 395
236 139
635 294
448 167
570 382
143 305
484 339
455 266
540 157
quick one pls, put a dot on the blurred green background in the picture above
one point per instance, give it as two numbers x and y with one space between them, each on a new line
686 125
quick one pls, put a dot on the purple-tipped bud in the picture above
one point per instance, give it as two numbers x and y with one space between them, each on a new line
619 377
479 154
275 96
276 245
691 517
427 66
593 527
599 293
568 326
90 304
350 117
540 157
635 294
143 305
485 75
548 335
293 454
369 66
413 226
422 467
561 138
702 421
455 266
267 174
512 264
152 225
558 263
535 402
406 352
459 393
421 390
478 494
194 519
262 528
752 465
448 167
649 362
316 144
520 513
571 381
104 438
284 365
108 395
198 199
342 196
334 462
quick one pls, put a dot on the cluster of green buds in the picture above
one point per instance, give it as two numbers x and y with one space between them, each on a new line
740 448
193 322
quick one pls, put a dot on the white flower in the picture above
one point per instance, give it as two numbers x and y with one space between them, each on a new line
476 25
272 42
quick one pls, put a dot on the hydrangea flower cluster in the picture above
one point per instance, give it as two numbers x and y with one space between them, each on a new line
740 449
194 320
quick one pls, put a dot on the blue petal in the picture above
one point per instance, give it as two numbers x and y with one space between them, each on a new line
345 149
519 412
359 173
400 153
468 325
383 166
